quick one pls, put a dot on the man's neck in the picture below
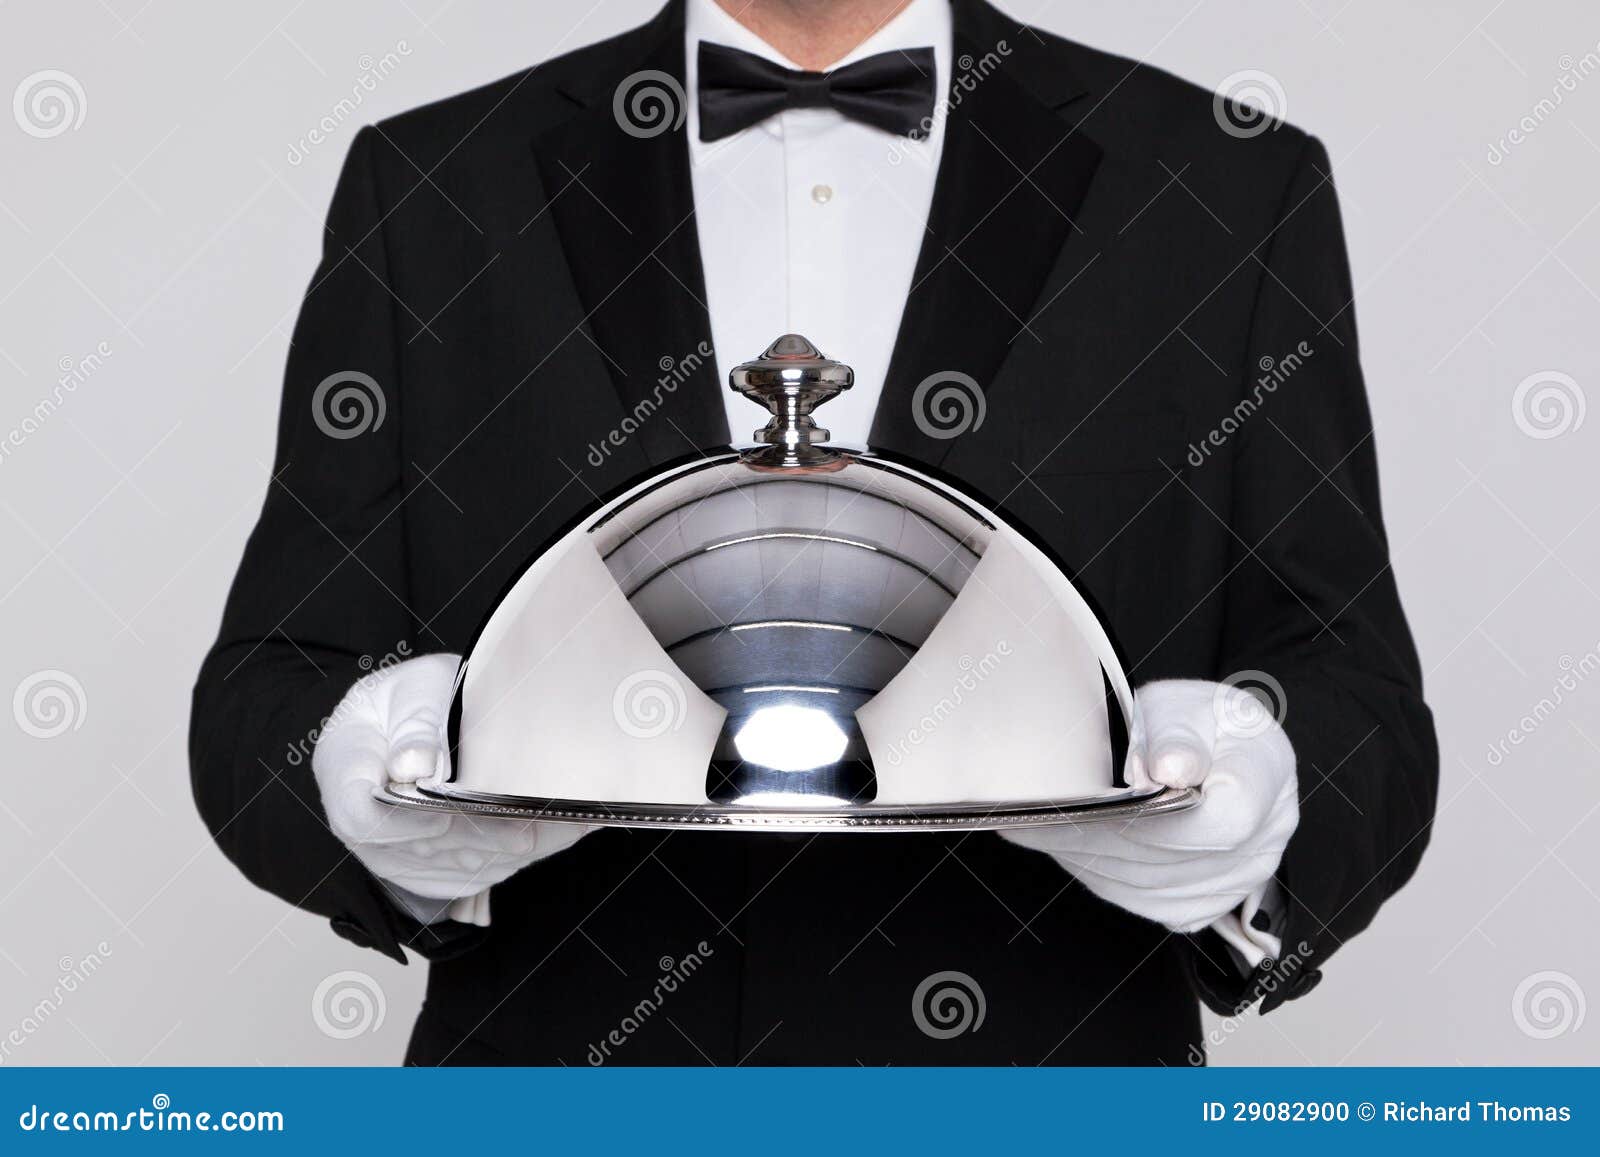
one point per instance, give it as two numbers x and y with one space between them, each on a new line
813 33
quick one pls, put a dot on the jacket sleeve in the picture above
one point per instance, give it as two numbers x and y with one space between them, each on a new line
1312 604
320 597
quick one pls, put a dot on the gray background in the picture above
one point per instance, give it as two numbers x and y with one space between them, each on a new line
172 226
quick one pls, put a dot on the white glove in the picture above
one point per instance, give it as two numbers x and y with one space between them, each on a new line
1209 865
390 726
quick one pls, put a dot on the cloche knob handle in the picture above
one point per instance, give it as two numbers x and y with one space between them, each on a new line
791 379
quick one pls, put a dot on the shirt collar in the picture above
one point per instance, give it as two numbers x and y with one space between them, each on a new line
920 24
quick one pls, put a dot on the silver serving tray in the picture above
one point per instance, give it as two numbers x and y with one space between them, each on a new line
862 818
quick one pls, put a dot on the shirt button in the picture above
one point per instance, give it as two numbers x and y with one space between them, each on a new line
822 194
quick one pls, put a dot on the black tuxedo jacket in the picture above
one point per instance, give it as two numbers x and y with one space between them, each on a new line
1119 273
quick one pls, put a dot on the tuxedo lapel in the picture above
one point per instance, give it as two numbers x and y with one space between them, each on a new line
1011 179
622 202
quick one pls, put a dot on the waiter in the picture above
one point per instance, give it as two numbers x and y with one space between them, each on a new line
531 293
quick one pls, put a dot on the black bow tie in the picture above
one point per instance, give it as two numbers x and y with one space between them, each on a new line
892 91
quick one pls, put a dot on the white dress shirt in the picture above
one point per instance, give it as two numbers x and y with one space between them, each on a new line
811 223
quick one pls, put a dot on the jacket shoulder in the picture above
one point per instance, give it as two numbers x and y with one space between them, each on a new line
1147 109
518 104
